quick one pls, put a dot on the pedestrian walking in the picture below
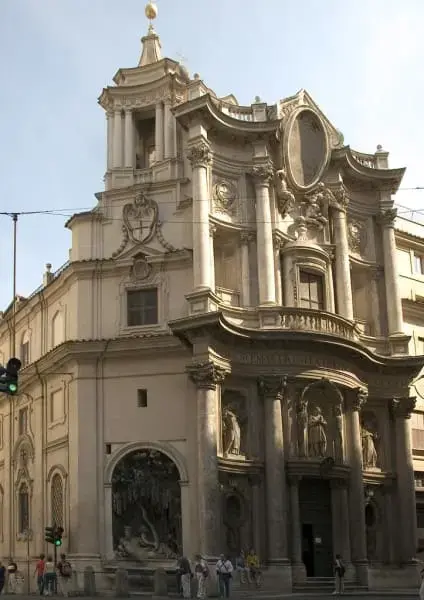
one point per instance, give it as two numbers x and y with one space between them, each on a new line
224 571
201 571
186 575
50 578
64 571
12 583
339 573
2 576
39 573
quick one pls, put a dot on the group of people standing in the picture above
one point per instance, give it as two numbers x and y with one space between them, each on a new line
51 578
246 565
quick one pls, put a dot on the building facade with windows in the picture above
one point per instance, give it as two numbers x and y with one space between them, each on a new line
228 358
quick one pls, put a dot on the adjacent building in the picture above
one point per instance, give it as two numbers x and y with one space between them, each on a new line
228 358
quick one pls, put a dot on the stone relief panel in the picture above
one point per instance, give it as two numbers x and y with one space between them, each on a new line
224 197
357 236
370 441
320 422
234 424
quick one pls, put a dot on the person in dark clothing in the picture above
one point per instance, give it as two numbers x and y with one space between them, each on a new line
2 576
186 575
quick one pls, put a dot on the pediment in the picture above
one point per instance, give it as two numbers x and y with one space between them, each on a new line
303 99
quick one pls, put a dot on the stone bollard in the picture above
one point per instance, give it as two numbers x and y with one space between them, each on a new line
122 588
89 581
160 581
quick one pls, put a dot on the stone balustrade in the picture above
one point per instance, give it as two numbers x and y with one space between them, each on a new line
366 160
302 319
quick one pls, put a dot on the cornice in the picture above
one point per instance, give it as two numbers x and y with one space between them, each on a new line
90 349
206 108
381 179
229 333
409 239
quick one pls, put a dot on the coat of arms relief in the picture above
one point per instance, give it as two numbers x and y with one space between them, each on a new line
141 224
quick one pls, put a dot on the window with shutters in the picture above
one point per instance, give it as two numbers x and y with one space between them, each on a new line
311 290
57 500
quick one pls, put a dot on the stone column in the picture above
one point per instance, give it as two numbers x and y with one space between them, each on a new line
276 494
200 157
390 529
356 492
342 263
129 139
212 231
257 512
375 302
340 510
407 516
296 530
277 275
168 130
186 520
246 238
266 273
391 276
207 376
109 134
117 139
108 527
159 132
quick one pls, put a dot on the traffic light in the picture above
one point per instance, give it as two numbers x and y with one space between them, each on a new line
9 377
49 535
58 536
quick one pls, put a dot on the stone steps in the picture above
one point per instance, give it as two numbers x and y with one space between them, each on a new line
325 585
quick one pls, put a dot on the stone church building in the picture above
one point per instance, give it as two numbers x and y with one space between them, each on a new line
222 363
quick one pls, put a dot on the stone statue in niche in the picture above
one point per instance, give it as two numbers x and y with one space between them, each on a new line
231 432
317 435
302 427
369 451
285 198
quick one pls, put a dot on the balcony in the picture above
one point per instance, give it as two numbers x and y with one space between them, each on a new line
317 321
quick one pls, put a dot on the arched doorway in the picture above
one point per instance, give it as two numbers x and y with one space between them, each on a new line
146 506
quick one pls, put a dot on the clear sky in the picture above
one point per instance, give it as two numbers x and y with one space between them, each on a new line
362 61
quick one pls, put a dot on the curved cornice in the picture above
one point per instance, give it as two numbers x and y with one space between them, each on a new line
383 179
216 323
206 107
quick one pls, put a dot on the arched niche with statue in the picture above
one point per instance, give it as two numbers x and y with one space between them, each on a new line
320 421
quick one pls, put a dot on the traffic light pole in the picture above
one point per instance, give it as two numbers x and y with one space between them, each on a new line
15 228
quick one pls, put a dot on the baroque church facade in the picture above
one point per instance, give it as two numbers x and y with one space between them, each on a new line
222 363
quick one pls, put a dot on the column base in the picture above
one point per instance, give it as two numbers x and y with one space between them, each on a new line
278 576
361 567
398 343
298 573
392 577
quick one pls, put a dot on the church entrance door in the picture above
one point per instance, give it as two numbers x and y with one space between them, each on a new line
316 521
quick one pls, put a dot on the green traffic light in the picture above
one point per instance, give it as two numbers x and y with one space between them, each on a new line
58 543
13 387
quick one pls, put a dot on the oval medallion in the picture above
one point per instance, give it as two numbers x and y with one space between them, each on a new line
305 148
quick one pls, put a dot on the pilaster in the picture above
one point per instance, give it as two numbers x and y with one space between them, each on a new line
129 139
246 238
393 300
117 139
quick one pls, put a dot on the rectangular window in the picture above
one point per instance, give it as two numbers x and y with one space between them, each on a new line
311 290
108 448
418 264
23 421
142 398
25 354
142 307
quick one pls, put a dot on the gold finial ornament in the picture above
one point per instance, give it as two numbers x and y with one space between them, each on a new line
151 11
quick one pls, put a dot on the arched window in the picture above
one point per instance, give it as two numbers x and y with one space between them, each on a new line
23 508
25 349
57 500
57 329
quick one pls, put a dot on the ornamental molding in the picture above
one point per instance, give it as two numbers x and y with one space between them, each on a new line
141 224
206 375
199 155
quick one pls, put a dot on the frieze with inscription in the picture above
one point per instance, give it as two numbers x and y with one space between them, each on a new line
289 358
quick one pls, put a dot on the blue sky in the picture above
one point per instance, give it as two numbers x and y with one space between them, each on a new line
361 60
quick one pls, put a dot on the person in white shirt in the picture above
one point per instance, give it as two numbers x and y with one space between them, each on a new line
224 571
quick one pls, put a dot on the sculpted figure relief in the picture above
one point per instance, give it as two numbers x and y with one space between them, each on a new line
369 452
302 427
231 432
317 433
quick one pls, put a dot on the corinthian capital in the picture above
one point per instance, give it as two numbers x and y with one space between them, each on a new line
199 155
402 408
360 397
206 375
262 173
387 217
272 387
